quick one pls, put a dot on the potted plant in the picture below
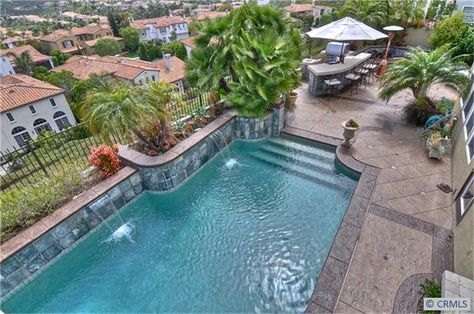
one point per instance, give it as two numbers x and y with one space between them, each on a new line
292 100
350 128
437 145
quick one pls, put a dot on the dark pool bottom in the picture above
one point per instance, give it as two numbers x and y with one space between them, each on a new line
248 238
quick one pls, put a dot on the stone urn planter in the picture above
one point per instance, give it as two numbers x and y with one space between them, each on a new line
350 128
292 100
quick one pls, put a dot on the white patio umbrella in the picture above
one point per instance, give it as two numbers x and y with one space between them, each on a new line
346 29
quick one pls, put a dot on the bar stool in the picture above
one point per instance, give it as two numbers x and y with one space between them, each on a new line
371 67
354 80
333 84
363 73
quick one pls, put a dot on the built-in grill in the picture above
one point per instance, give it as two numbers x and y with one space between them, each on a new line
334 50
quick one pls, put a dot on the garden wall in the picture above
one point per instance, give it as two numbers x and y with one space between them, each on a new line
22 265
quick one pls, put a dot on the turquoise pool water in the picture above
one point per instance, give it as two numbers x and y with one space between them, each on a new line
252 238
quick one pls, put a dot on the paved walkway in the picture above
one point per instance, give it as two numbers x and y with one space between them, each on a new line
395 243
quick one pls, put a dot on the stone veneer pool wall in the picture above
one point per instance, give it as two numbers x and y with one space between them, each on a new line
25 264
163 173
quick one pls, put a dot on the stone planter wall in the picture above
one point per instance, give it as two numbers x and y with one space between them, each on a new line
254 128
23 265
172 174
169 170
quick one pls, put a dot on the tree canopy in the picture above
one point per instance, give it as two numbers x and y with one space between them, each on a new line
149 51
175 48
257 47
131 38
107 47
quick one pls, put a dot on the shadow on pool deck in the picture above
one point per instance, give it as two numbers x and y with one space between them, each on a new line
406 235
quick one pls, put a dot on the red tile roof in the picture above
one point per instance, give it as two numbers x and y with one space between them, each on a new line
189 41
163 21
36 56
83 66
19 89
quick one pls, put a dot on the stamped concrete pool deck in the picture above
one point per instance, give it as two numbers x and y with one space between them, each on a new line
406 233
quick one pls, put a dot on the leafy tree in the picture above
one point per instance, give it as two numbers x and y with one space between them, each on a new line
107 47
23 62
113 105
465 46
123 19
131 38
439 8
449 30
175 48
59 57
418 72
257 47
325 19
149 51
113 24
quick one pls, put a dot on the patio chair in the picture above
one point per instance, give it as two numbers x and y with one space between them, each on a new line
363 74
354 81
332 84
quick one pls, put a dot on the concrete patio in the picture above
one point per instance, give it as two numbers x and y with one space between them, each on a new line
406 234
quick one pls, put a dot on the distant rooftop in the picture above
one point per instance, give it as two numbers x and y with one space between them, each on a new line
18 89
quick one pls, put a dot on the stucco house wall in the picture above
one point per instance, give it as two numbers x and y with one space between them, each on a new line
23 117
462 170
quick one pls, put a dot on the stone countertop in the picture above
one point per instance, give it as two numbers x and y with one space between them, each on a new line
33 232
138 159
331 69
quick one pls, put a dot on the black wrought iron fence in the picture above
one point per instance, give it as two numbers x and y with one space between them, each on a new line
27 164
190 100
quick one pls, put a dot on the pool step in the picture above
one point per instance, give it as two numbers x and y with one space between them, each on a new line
318 153
311 162
295 169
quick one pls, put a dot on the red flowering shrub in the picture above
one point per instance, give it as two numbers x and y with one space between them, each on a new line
105 159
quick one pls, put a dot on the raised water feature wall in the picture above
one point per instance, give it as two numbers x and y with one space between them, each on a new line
169 170
24 264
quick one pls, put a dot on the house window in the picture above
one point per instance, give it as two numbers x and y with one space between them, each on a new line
67 44
61 120
153 78
10 117
41 126
53 102
468 120
21 136
32 109
465 198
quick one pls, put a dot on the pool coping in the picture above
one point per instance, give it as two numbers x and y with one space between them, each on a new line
333 274
41 227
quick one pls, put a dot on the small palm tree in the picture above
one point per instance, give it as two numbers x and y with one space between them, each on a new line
114 106
23 62
418 72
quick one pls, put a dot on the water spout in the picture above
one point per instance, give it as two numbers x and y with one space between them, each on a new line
219 135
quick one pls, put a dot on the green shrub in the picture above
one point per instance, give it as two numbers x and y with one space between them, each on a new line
430 289
23 207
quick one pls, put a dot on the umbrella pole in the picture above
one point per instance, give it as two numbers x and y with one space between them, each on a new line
341 58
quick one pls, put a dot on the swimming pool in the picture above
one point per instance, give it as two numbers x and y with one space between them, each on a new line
245 237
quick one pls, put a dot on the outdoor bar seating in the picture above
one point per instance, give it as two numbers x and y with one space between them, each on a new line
344 69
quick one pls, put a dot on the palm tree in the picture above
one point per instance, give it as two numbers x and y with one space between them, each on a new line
23 62
251 56
372 12
418 72
114 106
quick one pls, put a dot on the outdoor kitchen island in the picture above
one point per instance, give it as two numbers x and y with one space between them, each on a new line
318 73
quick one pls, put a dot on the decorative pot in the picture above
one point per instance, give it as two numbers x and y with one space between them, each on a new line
292 99
349 133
